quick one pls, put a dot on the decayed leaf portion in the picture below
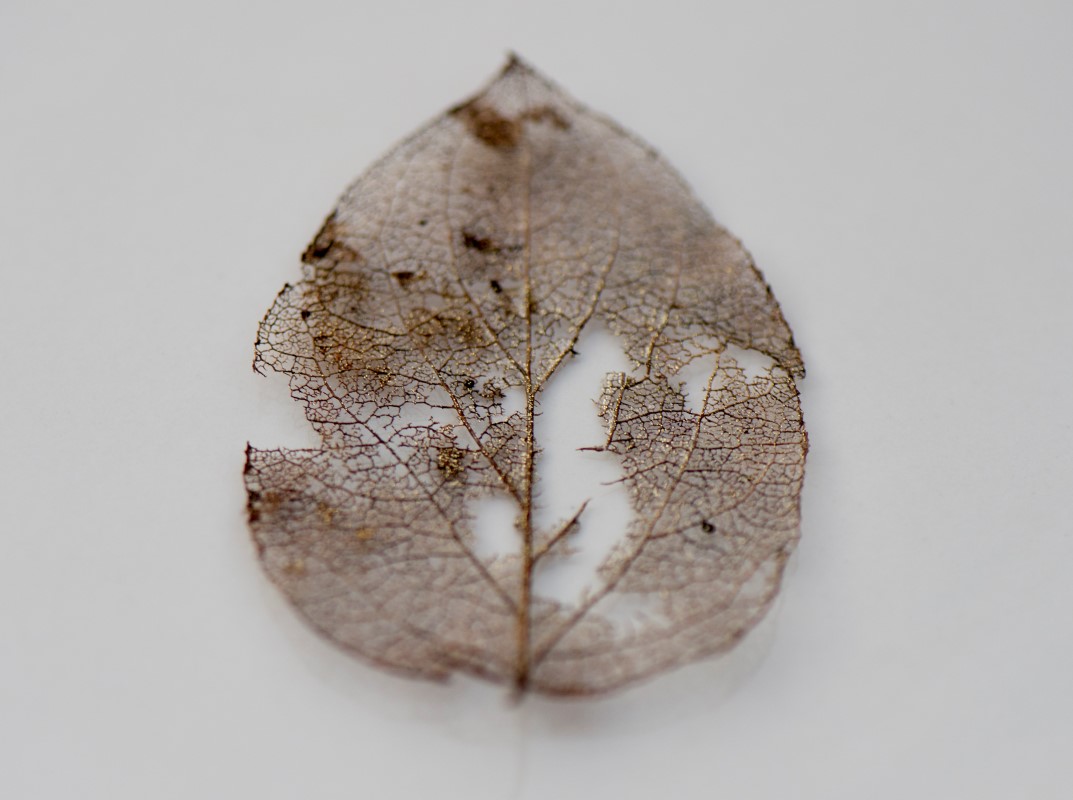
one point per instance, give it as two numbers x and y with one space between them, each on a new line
463 267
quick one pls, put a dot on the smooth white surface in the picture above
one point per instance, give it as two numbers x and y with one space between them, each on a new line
902 172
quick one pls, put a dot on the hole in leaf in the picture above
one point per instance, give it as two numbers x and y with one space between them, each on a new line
569 475
752 363
494 527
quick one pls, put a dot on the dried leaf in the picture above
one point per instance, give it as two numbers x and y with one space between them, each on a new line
462 267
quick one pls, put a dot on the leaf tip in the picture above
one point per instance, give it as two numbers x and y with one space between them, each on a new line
515 63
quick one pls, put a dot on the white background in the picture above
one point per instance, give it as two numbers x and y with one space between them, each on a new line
903 173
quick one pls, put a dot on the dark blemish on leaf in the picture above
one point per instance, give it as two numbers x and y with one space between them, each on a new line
449 461
326 249
488 125
306 313
404 277
706 526
482 244
253 497
422 222
495 286
469 383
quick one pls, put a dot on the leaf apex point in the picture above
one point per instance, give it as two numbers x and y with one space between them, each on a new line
515 62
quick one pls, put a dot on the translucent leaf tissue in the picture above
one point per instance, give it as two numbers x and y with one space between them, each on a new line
442 295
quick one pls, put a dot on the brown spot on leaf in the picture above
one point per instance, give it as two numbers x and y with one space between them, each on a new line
328 247
449 461
253 497
271 501
482 244
488 125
